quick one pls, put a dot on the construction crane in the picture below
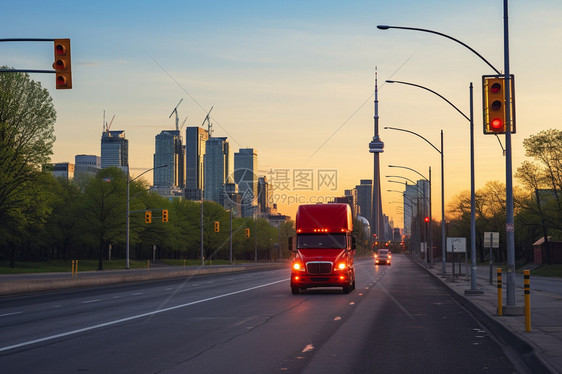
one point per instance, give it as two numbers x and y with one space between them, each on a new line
177 119
106 127
209 124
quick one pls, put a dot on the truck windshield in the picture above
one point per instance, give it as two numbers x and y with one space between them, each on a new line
321 241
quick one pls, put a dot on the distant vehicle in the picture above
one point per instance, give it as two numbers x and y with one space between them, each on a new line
383 256
324 248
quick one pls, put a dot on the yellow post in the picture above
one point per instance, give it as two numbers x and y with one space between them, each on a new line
73 268
148 265
499 276
527 287
184 262
76 269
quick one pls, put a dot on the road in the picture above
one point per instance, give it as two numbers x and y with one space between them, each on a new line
399 319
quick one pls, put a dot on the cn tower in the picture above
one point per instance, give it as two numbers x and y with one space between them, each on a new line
376 147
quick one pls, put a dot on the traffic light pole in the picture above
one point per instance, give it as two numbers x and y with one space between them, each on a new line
509 225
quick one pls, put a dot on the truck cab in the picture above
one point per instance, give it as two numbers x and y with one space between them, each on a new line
323 249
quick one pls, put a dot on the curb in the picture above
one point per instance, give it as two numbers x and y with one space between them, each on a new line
23 286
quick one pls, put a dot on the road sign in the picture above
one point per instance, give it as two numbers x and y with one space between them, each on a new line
491 240
456 245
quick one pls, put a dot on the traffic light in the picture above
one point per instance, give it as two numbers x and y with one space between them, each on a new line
426 219
63 74
494 104
147 216
247 233
217 226
165 215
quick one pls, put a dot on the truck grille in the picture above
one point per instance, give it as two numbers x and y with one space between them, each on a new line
319 267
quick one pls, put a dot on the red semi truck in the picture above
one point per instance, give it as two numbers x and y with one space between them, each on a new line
324 248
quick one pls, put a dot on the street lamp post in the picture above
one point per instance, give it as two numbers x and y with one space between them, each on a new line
440 151
510 289
128 199
429 203
473 286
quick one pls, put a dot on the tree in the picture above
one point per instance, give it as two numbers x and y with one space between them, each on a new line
27 119
100 210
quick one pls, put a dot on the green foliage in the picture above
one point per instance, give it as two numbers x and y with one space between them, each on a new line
27 118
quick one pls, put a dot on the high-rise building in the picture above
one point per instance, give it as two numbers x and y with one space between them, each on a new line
216 169
114 150
263 196
364 195
168 151
245 176
87 164
195 142
63 170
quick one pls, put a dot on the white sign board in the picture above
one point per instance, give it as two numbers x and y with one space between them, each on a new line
491 240
456 245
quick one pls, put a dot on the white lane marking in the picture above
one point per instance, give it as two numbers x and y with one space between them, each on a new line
110 323
308 348
137 293
10 314
91 301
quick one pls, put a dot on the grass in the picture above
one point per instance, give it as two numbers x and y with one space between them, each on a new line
548 271
89 265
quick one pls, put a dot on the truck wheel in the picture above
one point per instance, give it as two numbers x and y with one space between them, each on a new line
294 290
346 289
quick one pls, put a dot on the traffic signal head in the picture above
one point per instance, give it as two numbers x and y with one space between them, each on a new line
494 105
147 216
247 233
426 219
217 226
63 74
165 215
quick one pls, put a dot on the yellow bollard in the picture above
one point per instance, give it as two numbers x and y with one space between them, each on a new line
527 288
76 269
148 265
73 268
499 276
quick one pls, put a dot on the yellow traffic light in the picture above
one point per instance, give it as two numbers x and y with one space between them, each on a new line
247 233
63 74
165 215
217 226
494 104
147 216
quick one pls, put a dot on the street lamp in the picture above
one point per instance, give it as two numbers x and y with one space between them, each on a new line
128 223
429 202
473 286
440 151
509 225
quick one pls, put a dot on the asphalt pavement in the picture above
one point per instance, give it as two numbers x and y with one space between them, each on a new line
541 347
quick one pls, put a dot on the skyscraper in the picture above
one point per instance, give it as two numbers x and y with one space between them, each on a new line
169 151
364 196
195 141
216 169
245 176
114 149
87 164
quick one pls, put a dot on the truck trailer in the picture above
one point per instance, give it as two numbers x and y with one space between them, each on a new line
323 249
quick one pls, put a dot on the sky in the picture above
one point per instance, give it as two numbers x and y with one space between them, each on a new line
295 81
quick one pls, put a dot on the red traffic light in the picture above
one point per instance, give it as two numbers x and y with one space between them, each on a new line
63 74
496 124
426 219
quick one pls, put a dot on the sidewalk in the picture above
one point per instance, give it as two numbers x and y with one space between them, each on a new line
541 348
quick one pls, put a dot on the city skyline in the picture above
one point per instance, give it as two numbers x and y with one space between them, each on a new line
295 80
